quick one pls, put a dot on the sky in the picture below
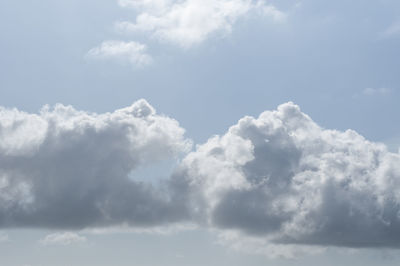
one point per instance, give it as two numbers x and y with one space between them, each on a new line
199 132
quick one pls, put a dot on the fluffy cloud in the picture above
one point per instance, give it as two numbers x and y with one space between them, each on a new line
282 179
181 22
65 238
272 183
190 22
64 168
133 53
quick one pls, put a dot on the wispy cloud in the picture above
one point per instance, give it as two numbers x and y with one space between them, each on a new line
133 53
392 30
371 92
4 237
377 91
64 239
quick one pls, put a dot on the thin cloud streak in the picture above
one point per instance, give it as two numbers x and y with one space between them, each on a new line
133 53
63 238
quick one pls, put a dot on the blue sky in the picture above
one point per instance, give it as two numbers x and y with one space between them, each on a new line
204 65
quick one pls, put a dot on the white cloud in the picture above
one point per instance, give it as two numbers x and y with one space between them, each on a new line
376 91
181 22
282 179
64 168
153 230
147 4
392 30
277 184
64 238
191 22
133 53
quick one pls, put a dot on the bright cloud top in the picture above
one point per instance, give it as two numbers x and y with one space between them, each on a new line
133 53
275 181
282 178
190 22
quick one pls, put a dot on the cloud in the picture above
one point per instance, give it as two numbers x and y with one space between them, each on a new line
392 30
184 23
133 53
191 22
4 237
284 180
262 246
64 168
279 183
376 91
64 239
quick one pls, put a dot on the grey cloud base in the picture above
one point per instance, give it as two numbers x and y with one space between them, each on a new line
283 178
279 177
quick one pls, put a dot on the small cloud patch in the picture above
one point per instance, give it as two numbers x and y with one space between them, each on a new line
64 239
132 53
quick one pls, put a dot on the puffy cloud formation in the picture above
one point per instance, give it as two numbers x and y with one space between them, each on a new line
65 238
283 179
275 182
181 22
190 22
64 168
133 53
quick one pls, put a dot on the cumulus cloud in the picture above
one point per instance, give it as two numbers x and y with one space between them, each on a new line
283 179
181 22
64 168
275 183
133 53
190 22
64 239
